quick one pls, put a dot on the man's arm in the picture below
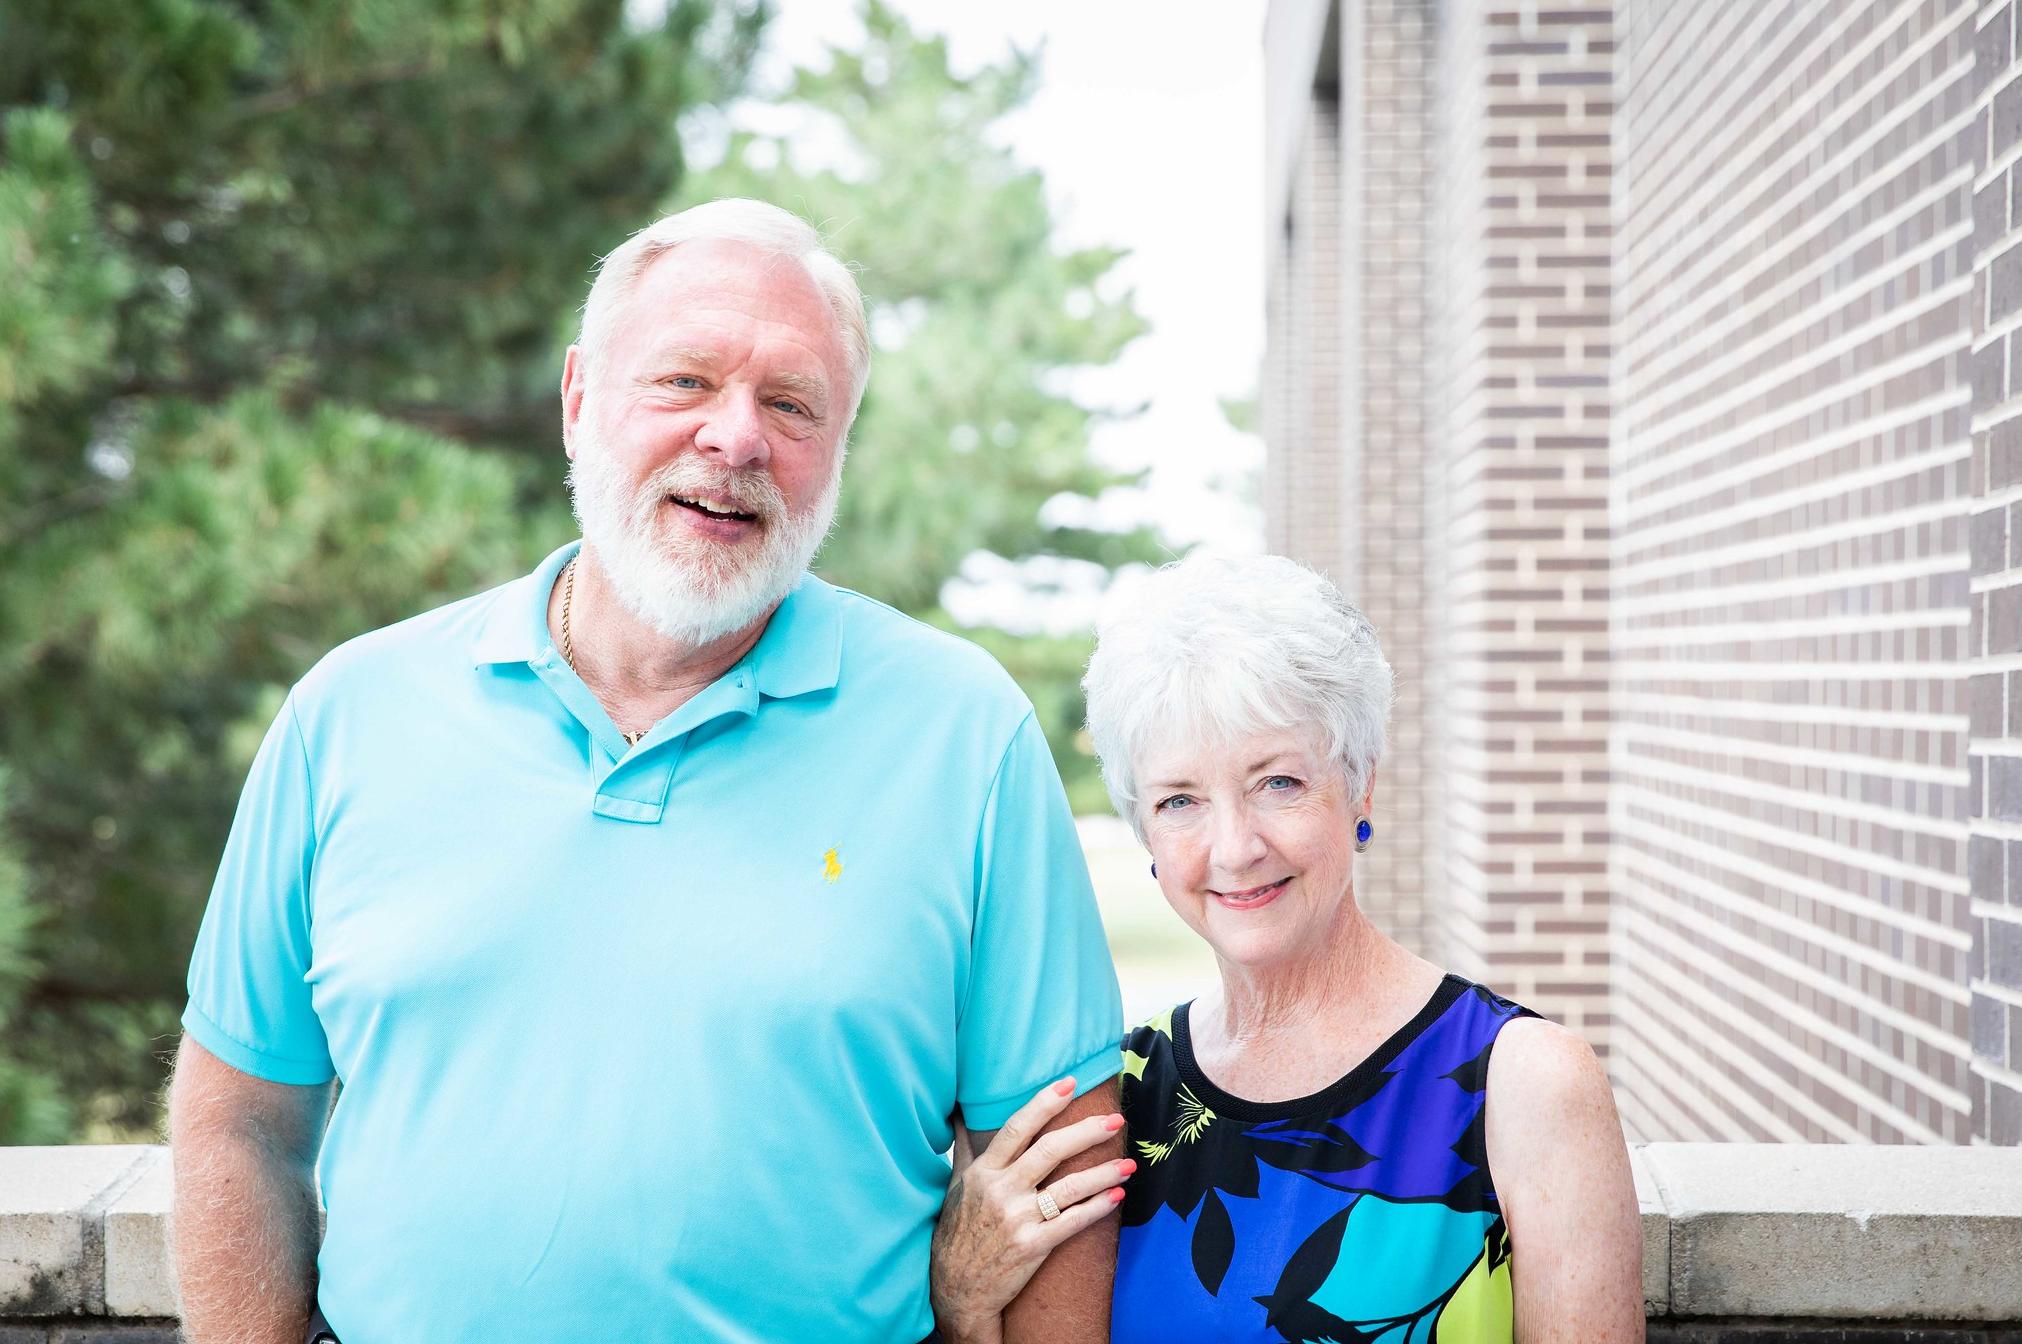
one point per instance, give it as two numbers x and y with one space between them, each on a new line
246 1222
1067 1301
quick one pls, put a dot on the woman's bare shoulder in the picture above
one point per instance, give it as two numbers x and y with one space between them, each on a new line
1540 1075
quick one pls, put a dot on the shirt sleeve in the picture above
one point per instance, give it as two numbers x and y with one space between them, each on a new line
249 990
1042 999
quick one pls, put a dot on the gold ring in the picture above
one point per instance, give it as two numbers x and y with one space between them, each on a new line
1048 1210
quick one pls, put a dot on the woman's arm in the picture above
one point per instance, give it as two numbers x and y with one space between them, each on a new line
991 1238
1561 1170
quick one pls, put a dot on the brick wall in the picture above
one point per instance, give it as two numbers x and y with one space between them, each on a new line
1518 491
1302 394
1386 148
1994 647
1718 526
1790 578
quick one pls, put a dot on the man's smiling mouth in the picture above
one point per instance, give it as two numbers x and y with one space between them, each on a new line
720 509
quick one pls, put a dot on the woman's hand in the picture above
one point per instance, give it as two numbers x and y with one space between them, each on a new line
992 1235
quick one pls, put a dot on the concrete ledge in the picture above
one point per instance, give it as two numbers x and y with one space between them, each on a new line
1754 1242
1846 1233
138 1278
52 1224
1656 1236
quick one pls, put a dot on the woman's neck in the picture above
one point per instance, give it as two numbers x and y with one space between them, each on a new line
1290 1028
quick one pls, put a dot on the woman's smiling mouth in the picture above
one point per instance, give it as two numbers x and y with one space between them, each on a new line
1251 897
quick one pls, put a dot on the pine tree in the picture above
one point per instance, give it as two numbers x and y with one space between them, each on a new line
283 291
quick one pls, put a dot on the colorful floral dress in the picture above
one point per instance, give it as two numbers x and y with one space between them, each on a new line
1363 1213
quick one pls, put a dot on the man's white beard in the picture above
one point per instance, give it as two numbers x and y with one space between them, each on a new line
692 590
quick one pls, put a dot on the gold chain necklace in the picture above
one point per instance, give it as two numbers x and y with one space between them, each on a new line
569 645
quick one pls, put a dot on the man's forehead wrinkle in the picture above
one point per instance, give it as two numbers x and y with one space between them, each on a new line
687 354
688 340
801 382
684 351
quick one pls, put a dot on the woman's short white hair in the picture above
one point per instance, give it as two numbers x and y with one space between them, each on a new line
734 220
1214 648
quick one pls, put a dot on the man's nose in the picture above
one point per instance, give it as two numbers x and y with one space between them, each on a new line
734 432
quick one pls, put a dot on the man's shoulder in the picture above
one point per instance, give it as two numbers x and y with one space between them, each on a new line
417 647
892 649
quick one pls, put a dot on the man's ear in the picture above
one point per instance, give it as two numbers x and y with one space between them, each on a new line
573 384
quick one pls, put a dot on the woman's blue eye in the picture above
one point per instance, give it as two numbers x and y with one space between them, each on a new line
1168 804
1279 783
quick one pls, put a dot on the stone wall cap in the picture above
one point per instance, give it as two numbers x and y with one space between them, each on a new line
52 1225
139 1267
65 1179
1818 1232
1842 1232
1844 1180
1656 1235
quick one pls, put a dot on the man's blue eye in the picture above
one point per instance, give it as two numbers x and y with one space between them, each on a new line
685 380
787 406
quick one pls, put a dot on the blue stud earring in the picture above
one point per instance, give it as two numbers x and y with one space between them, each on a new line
1154 870
1364 833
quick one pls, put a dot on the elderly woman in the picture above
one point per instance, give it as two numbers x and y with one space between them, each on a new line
1340 1141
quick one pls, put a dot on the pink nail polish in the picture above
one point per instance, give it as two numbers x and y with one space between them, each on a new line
1116 1196
1063 1087
1125 1167
1112 1123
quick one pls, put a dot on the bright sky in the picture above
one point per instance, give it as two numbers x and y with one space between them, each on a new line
1148 127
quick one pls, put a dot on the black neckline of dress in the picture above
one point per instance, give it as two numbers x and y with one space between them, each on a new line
1347 1086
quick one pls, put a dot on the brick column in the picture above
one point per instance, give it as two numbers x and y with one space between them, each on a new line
1517 528
1386 53
1304 462
1994 853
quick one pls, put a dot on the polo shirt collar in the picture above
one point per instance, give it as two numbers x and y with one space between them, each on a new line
801 649
515 626
799 653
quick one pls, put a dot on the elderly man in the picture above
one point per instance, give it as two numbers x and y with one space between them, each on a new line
659 913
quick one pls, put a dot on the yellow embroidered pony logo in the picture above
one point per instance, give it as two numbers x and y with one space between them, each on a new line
831 867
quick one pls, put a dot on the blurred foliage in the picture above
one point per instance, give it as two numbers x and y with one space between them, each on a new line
29 1104
283 293
978 315
1049 668
1242 413
283 290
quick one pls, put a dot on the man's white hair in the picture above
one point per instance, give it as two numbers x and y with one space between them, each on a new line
1214 648
734 220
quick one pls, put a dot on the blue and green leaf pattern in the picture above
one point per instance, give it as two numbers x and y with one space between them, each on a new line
1363 1213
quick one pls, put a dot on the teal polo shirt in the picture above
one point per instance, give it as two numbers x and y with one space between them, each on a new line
659 1043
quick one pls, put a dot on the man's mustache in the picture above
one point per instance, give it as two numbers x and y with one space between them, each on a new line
753 492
